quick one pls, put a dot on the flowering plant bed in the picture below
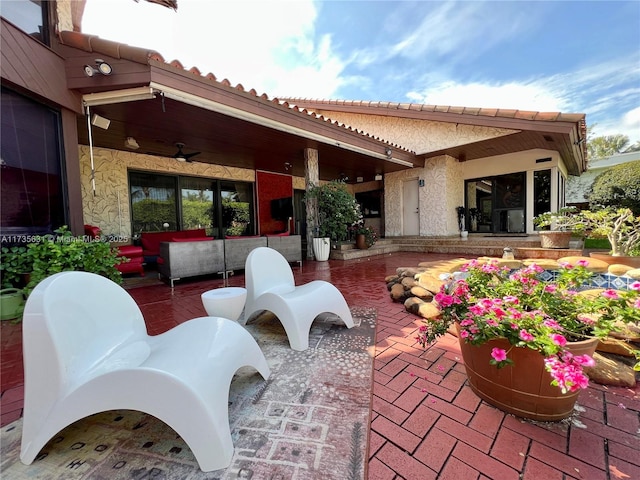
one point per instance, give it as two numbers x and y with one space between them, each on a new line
490 302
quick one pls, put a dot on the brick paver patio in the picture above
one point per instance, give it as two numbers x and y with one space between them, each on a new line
425 422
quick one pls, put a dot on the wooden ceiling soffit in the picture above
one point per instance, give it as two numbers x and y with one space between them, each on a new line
272 116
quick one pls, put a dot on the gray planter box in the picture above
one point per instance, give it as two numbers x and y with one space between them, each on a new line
290 247
236 251
190 259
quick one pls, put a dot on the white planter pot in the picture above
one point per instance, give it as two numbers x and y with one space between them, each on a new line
464 233
321 249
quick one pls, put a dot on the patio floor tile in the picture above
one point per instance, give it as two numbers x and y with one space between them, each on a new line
426 421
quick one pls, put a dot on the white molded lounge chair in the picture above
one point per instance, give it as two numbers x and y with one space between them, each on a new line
86 350
270 286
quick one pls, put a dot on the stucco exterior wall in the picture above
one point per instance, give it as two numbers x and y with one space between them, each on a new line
443 188
109 208
437 199
511 163
417 135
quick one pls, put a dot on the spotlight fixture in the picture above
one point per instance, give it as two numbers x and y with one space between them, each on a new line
388 152
131 143
101 67
98 121
287 166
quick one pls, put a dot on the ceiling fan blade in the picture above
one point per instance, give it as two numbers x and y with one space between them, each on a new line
188 156
185 157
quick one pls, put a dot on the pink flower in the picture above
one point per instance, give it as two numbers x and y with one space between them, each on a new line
499 312
558 339
444 300
512 299
584 360
582 263
551 288
635 286
464 334
610 294
552 324
526 336
499 354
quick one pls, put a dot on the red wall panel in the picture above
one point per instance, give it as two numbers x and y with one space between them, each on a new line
270 186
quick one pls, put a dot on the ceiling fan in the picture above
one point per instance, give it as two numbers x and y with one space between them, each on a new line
184 157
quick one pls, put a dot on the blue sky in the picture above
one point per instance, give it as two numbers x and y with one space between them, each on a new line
569 56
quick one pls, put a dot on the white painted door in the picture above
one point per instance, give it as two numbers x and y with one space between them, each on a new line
410 208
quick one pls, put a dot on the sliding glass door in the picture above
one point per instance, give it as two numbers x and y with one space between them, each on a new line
496 204
170 202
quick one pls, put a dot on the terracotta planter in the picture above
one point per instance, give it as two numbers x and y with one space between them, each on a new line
523 389
361 241
610 259
554 239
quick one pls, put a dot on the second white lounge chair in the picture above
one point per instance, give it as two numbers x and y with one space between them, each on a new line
270 286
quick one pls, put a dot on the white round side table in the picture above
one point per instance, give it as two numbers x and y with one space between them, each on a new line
226 302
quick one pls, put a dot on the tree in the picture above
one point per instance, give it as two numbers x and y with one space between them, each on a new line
619 186
606 145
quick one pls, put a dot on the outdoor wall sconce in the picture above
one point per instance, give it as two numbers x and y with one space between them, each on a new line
101 67
378 177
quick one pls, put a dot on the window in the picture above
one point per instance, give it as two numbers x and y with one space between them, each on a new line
541 192
370 203
236 201
182 203
153 202
31 168
496 204
29 16
196 199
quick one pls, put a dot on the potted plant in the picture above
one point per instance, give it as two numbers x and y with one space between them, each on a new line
15 269
365 236
461 211
525 341
63 251
621 227
556 228
335 210
23 267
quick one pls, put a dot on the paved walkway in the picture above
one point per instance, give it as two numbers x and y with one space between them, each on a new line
425 422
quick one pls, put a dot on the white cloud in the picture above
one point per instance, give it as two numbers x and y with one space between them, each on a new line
628 124
268 46
448 31
512 95
608 93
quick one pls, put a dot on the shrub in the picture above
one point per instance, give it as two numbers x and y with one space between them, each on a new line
63 252
337 210
619 186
